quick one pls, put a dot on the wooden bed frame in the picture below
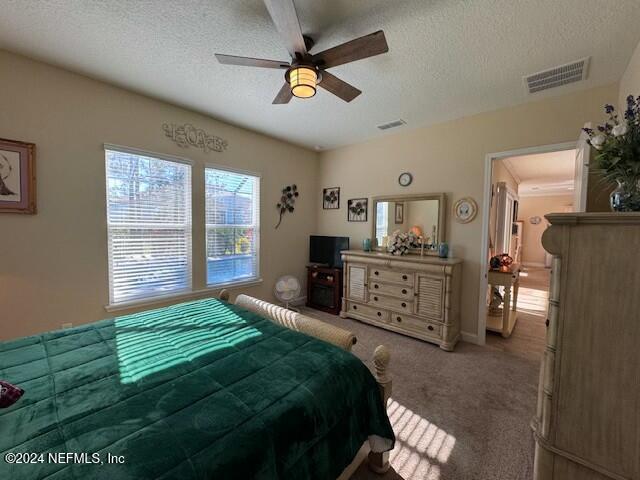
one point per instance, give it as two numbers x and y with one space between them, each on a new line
378 462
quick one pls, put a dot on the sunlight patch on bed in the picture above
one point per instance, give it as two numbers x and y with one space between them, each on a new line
421 446
151 344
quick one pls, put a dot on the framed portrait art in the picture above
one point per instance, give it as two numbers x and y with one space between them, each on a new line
399 214
17 177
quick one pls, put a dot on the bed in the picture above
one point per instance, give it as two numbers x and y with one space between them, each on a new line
202 389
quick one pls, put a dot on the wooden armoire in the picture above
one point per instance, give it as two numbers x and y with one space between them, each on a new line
587 424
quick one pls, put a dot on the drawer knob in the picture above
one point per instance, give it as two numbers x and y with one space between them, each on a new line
375 298
379 314
404 305
376 286
404 291
404 277
376 273
430 327
355 307
399 319
547 322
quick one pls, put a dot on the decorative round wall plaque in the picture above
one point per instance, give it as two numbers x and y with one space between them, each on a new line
405 179
535 220
465 210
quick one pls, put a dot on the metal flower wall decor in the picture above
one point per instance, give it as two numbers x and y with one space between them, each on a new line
357 209
287 201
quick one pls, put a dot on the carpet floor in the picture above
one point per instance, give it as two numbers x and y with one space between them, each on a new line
462 415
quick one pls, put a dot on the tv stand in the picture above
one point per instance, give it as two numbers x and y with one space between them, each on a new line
324 288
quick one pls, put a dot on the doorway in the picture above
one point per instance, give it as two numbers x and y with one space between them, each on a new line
521 187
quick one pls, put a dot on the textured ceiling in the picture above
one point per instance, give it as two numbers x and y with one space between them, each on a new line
447 58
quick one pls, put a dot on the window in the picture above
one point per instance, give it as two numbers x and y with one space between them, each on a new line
233 226
149 225
382 222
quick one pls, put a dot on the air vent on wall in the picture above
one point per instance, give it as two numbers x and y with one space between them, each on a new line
555 77
394 124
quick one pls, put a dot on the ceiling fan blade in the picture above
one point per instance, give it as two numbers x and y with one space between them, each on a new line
283 13
338 87
363 47
284 95
250 62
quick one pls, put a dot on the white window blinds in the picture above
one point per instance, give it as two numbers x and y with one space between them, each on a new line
233 226
149 226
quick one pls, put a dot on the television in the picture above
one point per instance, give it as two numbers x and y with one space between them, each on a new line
325 250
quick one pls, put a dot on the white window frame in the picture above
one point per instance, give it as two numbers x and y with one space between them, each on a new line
150 299
257 204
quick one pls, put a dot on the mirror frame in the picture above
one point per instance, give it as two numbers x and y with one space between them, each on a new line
442 216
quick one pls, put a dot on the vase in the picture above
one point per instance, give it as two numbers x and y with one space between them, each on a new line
366 244
443 250
626 197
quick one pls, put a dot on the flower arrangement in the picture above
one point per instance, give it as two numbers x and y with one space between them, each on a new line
618 159
401 242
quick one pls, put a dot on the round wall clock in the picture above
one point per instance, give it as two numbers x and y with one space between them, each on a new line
405 179
465 210
535 220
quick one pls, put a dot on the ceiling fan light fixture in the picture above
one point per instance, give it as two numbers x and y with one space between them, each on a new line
303 81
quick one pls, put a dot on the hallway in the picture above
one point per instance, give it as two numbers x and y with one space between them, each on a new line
528 337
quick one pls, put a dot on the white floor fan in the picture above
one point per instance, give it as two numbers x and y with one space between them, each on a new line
287 289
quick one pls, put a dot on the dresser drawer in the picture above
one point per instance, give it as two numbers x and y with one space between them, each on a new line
393 290
369 311
397 304
417 324
379 274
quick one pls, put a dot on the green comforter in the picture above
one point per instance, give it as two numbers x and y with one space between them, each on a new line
201 390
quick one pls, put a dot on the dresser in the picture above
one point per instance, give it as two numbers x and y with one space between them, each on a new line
587 424
413 295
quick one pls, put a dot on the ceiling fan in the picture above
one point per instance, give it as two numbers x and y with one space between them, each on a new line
306 71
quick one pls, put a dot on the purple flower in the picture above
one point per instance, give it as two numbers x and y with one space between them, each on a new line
601 128
629 114
631 101
588 131
609 108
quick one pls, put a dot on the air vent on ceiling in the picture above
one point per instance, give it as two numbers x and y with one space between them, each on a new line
555 77
394 124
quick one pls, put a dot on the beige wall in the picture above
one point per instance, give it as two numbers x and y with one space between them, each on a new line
53 265
532 251
450 157
501 174
630 82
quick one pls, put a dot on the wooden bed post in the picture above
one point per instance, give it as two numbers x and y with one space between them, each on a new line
224 295
379 462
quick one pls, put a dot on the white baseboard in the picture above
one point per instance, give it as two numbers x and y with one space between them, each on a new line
533 264
470 337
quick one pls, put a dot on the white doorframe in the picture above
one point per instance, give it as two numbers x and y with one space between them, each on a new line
486 210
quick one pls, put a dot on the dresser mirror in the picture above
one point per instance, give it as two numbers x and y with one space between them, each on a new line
423 215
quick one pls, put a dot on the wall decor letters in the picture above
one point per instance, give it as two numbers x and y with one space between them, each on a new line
189 136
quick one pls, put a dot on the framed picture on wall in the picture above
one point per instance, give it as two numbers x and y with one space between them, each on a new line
399 215
357 209
17 177
331 198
